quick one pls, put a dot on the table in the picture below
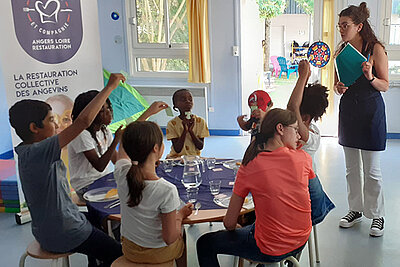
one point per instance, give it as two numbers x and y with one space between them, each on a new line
209 212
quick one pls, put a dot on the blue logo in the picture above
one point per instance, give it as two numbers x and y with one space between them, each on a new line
50 31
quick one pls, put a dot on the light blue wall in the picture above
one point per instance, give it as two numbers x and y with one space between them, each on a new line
5 132
224 90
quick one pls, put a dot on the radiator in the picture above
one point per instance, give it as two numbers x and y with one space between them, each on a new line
160 93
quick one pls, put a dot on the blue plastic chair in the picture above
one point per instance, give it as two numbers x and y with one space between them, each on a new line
287 68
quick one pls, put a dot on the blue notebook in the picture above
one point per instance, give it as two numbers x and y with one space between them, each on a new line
348 65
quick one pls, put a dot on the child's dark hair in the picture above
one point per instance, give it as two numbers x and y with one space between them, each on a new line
138 140
80 103
175 95
315 101
24 112
268 130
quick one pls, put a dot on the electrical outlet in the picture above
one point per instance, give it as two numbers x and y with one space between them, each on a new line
235 51
210 109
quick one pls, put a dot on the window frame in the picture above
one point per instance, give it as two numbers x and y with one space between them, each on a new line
393 51
167 50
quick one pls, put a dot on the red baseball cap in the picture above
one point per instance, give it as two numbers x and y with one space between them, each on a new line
259 98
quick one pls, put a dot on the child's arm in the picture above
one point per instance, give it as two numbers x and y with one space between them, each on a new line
198 142
100 163
297 96
172 223
244 125
179 142
231 217
121 154
154 108
87 116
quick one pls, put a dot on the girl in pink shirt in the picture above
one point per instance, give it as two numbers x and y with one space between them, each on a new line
276 173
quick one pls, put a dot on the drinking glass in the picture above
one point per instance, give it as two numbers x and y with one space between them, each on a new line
168 165
192 194
215 185
211 163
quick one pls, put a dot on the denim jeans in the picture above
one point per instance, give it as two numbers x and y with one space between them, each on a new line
101 247
321 205
239 242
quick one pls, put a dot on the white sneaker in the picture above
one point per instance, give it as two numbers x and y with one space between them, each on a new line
377 227
350 219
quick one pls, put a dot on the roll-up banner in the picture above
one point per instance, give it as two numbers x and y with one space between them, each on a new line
50 51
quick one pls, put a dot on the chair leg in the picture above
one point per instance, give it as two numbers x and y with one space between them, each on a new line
22 259
316 244
310 251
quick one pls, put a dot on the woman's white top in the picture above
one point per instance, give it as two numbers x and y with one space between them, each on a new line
142 224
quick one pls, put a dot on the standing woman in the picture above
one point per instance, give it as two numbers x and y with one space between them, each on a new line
362 121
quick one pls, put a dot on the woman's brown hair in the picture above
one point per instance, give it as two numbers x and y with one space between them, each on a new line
138 140
360 14
267 131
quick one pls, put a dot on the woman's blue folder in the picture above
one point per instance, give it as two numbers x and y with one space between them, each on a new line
348 65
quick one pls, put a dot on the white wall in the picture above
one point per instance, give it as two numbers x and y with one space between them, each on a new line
296 27
252 34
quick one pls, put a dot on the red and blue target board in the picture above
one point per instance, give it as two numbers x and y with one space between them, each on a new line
319 54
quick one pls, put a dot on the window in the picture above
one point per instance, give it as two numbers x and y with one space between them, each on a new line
159 38
391 37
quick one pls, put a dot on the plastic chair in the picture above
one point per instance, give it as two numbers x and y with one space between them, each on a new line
287 68
124 262
275 63
35 251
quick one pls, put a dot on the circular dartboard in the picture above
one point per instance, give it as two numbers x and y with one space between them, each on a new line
319 54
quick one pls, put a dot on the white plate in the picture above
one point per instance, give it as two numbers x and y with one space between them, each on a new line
99 194
224 202
231 164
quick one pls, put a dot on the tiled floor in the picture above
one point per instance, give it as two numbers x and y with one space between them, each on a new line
338 247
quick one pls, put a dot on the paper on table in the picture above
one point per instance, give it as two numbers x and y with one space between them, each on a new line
348 65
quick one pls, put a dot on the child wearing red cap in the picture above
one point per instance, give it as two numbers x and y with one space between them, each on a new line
260 103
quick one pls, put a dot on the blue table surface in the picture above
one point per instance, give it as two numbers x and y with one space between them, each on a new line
98 210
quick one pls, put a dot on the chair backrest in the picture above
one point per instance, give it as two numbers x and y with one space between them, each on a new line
275 63
282 63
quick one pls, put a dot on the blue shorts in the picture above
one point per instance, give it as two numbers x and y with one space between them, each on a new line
321 205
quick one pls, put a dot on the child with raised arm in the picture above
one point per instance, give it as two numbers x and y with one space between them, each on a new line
309 103
186 131
260 103
91 153
57 224
151 226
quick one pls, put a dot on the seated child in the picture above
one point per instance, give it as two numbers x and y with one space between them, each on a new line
91 152
151 227
276 173
186 131
57 224
309 103
260 103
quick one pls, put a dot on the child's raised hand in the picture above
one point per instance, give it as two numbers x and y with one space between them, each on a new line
156 107
114 80
118 133
186 210
304 69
